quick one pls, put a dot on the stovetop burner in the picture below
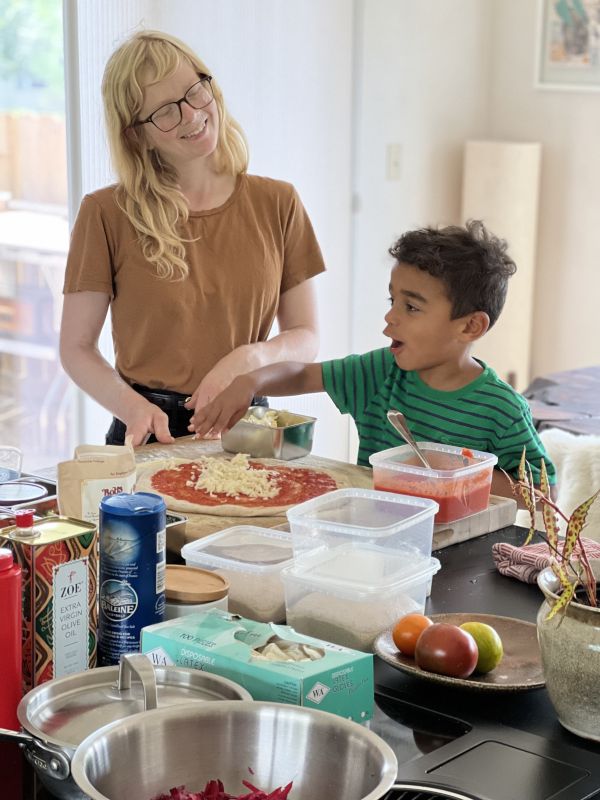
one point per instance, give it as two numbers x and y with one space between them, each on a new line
404 791
413 731
444 758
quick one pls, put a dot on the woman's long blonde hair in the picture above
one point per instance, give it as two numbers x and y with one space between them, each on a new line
148 190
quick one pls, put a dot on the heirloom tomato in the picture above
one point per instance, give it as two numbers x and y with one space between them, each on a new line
447 650
407 630
489 645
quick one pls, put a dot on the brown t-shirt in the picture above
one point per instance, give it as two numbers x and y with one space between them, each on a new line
168 334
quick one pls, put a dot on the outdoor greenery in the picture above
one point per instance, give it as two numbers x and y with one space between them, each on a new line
31 55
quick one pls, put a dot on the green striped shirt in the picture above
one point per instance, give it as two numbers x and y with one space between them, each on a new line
487 414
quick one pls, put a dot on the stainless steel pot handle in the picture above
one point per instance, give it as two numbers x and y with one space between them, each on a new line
142 668
47 758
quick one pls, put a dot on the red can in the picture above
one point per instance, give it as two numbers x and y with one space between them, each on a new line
10 640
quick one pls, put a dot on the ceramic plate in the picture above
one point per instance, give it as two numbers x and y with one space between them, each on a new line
519 670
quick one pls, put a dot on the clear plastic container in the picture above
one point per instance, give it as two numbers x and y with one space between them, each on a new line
251 560
349 594
363 515
459 481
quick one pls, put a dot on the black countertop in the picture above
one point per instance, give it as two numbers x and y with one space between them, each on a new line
468 581
523 722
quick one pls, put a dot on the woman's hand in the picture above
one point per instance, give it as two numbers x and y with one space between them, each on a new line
226 409
144 420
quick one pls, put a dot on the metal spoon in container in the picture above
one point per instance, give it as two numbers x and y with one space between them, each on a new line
398 421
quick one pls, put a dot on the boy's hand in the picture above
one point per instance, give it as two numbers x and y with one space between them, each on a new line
226 409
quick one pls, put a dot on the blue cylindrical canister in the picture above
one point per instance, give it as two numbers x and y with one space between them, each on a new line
132 571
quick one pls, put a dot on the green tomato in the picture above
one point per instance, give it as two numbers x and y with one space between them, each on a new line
489 645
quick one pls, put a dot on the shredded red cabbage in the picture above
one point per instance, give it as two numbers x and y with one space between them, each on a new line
214 790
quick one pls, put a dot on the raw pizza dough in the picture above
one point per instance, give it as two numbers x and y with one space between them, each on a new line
146 471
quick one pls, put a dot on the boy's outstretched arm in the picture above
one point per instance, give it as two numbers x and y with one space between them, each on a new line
284 378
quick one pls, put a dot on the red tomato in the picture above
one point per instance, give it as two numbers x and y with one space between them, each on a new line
445 649
407 631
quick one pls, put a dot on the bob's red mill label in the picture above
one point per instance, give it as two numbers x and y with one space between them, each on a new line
59 560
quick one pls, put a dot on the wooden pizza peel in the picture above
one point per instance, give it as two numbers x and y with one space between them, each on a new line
200 525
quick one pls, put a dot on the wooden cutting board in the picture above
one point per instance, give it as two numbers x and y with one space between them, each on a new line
200 525
500 513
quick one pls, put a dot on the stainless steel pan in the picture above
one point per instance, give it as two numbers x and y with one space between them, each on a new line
56 716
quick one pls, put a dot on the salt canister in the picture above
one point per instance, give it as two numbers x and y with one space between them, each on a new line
132 571
189 589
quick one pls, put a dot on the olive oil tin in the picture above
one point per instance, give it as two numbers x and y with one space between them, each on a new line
60 566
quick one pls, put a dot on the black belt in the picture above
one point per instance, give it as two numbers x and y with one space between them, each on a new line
163 398
174 401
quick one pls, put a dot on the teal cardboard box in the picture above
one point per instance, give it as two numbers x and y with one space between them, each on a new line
331 678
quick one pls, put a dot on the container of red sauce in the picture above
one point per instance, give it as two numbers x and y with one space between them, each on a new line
459 480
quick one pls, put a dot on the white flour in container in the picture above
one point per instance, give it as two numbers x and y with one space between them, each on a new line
347 622
258 597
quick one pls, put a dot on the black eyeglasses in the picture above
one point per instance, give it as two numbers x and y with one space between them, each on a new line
168 117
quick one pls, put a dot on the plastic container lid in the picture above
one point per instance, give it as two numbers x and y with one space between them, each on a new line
394 458
245 548
137 503
360 571
363 511
193 585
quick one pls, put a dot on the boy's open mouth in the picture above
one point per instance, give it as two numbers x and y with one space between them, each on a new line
396 345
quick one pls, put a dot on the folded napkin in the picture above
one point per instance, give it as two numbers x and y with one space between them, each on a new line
525 563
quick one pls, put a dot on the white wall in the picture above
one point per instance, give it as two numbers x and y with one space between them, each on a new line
566 320
424 84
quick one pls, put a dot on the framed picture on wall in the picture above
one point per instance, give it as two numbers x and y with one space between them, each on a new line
568 45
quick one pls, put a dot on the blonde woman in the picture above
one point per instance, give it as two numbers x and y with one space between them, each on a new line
195 258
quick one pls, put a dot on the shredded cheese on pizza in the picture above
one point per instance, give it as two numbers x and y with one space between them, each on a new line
233 478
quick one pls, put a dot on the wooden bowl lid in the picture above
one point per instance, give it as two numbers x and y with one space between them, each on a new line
193 585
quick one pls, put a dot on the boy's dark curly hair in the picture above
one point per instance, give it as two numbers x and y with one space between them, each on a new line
472 263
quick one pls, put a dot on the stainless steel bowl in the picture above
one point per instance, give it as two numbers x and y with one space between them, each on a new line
292 438
324 755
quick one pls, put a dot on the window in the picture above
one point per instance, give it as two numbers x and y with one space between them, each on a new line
37 402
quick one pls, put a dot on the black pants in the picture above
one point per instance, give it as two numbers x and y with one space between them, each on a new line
172 404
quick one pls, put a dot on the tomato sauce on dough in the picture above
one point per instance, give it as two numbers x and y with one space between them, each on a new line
295 484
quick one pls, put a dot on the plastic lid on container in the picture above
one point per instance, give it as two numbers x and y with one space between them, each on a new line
20 492
395 458
358 571
246 548
136 503
363 511
192 585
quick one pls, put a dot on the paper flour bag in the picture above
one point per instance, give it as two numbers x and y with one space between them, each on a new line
96 471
